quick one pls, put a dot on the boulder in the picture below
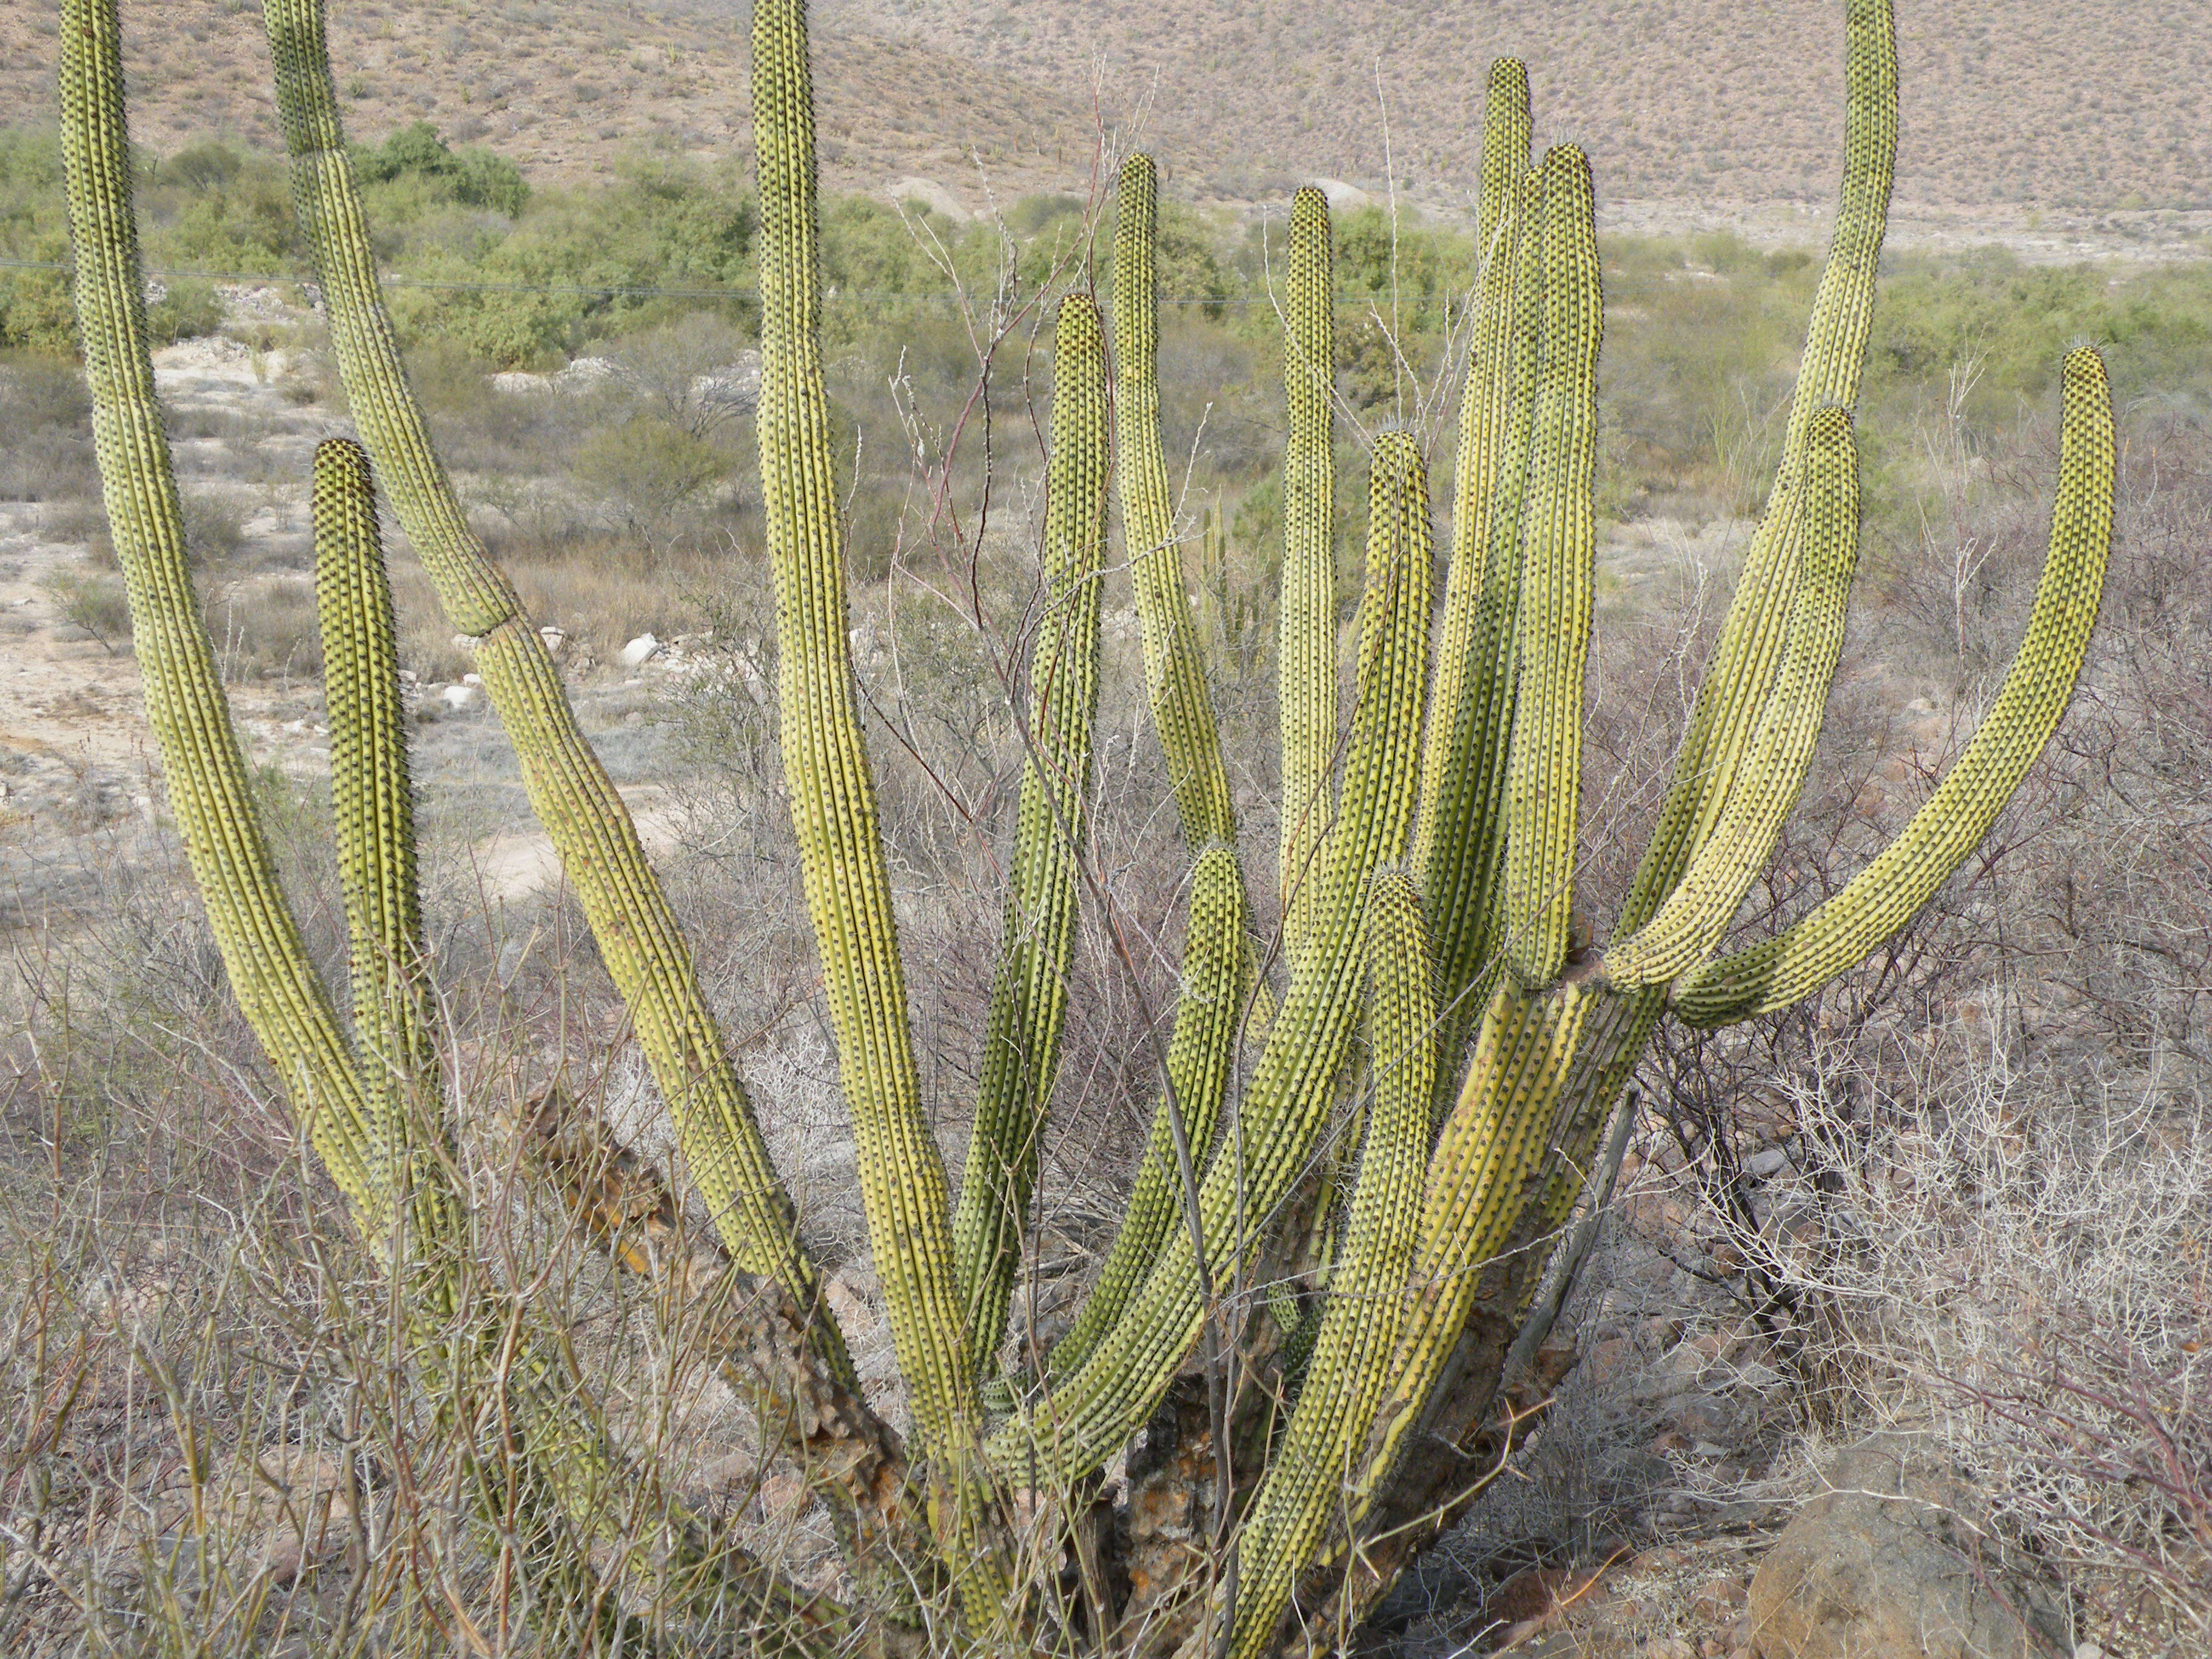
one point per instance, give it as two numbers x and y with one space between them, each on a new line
1889 1562
639 651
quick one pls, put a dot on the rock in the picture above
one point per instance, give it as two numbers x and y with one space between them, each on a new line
1889 1563
1344 196
556 641
928 193
460 699
585 373
1717 1602
638 652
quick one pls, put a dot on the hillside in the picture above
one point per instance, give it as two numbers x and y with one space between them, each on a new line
2012 104
2020 103
565 88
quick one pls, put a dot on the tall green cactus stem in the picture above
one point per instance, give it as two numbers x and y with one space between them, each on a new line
1286 1104
372 796
1908 871
1183 712
1559 534
210 798
1029 993
1366 1299
1306 656
1698 912
1458 839
202 763
568 787
1199 1055
1742 665
833 809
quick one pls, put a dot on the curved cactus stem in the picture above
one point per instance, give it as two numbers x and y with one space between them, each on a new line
1488 1165
1459 839
372 796
1911 870
1743 663
1286 1105
1029 993
1560 541
833 810
1698 912
1199 1055
1306 675
1367 1298
570 790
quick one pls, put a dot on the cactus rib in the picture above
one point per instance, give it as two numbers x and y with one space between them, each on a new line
1182 711
1742 665
1029 991
1305 655
834 812
1458 844
1560 541
203 764
371 797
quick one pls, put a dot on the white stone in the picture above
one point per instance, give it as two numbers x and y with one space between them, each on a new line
639 651
460 698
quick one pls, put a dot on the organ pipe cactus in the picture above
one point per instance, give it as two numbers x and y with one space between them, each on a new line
1365 1142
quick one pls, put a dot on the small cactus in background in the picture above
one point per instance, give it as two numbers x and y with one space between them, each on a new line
1432 967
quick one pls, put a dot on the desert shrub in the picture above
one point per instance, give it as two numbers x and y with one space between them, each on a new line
471 176
187 309
649 475
263 630
46 414
95 603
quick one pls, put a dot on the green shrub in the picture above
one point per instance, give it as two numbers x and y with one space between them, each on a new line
649 473
95 603
189 307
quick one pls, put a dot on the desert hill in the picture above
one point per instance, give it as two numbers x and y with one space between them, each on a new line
565 88
2019 103
2010 105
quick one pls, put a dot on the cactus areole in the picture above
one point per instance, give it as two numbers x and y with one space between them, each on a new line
1427 962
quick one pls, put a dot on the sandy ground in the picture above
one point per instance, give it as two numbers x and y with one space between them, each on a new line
80 797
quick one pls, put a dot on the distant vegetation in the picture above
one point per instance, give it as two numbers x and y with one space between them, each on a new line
496 275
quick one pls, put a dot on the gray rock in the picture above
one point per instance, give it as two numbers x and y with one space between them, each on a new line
1889 1562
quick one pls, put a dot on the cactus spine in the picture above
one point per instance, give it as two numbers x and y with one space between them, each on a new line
1428 896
